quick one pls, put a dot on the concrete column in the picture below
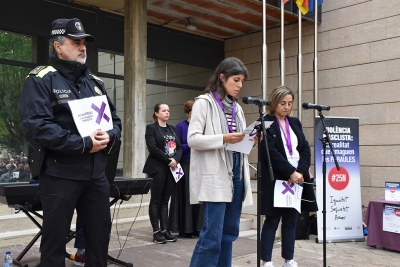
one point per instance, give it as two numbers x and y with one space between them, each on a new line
40 50
135 53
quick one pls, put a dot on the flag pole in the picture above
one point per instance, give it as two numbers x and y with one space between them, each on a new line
264 54
282 54
316 54
299 71
316 114
264 94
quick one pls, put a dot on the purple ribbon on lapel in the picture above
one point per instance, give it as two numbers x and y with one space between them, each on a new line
288 188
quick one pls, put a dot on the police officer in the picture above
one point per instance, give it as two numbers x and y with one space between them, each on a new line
72 174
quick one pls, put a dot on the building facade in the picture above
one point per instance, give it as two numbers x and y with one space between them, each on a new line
358 68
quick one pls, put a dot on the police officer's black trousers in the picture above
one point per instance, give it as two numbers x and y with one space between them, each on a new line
59 198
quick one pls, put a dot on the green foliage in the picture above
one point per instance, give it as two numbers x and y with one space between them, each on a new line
14 47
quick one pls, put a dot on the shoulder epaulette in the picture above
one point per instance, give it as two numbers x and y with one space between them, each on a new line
36 70
94 76
40 71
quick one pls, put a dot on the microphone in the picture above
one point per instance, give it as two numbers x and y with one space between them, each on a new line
315 106
256 101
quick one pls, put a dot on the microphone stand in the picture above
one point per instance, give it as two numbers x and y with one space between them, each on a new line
325 141
259 176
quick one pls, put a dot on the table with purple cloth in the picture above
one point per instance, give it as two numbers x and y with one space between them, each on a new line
374 220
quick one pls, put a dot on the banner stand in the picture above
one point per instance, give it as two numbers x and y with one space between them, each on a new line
343 187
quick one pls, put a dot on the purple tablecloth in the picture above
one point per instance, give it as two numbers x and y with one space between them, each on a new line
374 220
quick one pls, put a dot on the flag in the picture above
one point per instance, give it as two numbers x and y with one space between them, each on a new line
311 5
303 5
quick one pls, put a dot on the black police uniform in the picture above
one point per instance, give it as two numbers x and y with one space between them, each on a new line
71 176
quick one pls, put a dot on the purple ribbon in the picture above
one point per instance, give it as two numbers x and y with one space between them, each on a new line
288 188
100 112
223 110
179 173
287 136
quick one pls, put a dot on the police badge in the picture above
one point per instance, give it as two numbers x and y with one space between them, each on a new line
78 25
97 90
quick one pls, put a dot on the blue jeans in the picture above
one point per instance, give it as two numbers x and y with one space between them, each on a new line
221 226
289 219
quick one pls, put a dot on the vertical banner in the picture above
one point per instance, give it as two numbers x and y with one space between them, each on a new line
343 191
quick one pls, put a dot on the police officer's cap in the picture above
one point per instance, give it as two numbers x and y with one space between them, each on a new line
70 28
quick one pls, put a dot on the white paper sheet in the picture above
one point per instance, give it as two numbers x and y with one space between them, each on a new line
244 146
177 173
90 114
287 195
247 143
249 129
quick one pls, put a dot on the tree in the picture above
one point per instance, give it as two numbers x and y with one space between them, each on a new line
13 47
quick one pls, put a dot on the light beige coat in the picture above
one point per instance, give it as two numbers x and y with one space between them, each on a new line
209 178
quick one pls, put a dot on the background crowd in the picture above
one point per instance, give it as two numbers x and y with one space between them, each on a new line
14 169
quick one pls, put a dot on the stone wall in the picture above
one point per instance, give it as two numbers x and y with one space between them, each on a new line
359 76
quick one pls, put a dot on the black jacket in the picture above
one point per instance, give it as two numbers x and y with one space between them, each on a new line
155 144
282 168
47 119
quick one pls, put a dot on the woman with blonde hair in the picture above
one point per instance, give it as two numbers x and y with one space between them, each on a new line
290 158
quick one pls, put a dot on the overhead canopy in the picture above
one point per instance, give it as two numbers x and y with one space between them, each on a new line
220 19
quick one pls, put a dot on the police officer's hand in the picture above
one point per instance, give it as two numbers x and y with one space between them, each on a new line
100 140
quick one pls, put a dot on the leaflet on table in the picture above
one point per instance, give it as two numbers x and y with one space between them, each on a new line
90 114
287 195
391 218
177 173
392 191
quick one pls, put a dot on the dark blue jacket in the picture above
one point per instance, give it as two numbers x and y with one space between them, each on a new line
282 168
47 119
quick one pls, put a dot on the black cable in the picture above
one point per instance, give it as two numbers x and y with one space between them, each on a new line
140 206
116 226
119 196
115 204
